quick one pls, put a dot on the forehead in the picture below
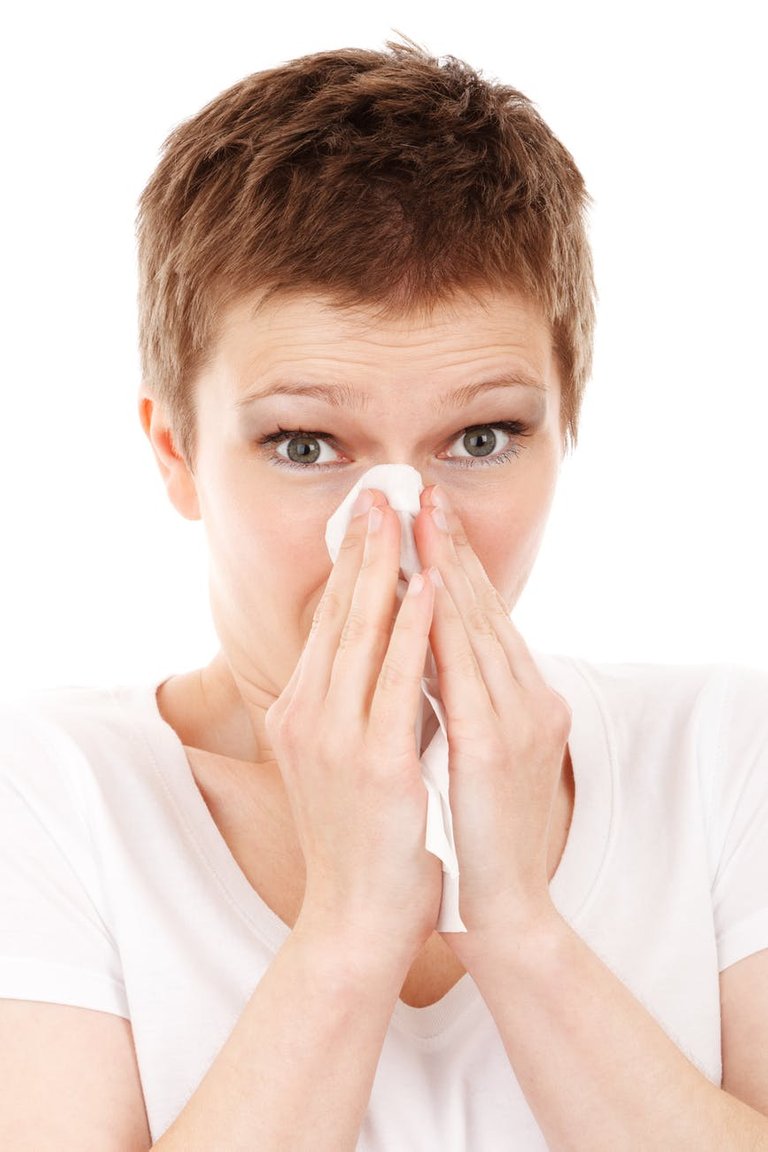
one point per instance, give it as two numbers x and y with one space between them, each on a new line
308 337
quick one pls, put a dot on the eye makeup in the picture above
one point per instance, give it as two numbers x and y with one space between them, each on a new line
514 429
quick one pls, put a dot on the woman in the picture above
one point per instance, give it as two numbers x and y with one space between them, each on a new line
219 916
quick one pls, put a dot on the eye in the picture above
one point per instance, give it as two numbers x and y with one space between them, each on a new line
479 443
304 448
479 440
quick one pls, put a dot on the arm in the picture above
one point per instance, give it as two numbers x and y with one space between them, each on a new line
296 1071
297 1068
744 1013
68 1080
597 1070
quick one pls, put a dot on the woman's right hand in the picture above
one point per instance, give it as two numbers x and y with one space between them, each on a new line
343 733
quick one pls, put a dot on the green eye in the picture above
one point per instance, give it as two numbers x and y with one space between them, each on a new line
480 440
301 449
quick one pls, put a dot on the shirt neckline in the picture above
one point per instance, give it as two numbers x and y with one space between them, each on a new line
572 887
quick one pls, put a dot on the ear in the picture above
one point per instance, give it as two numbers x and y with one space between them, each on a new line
179 480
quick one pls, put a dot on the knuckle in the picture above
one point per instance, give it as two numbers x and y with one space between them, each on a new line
351 540
328 608
494 604
302 739
353 631
466 664
485 753
358 628
557 716
459 536
394 676
528 733
408 629
479 622
289 729
367 561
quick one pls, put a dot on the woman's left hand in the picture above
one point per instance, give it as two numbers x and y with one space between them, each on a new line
507 734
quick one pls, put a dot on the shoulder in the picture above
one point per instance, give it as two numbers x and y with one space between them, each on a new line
708 721
635 693
78 711
668 689
72 734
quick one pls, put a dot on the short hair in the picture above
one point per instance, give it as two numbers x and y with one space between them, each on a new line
378 178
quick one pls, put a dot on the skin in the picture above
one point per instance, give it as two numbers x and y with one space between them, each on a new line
265 524
597 1070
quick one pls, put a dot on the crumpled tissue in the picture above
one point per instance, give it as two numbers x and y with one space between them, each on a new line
402 486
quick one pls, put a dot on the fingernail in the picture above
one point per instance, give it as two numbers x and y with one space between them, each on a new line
363 502
436 578
440 498
439 518
375 517
416 584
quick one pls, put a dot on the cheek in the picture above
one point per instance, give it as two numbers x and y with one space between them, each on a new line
500 546
296 557
507 544
261 553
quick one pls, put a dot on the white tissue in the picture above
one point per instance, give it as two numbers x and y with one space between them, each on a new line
402 486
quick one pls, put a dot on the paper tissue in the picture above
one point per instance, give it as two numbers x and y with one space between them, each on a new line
402 486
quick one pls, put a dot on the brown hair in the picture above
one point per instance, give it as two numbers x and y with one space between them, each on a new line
377 178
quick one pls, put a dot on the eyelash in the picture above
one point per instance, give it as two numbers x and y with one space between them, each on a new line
511 427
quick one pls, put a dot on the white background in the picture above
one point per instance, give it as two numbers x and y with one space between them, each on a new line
656 546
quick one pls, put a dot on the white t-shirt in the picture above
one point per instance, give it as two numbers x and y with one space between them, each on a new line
117 891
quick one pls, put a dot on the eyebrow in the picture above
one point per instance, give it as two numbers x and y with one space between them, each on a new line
344 396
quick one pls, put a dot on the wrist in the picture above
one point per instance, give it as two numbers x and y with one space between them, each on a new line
354 952
510 936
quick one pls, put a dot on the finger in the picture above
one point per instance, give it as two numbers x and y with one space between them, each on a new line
462 627
464 682
445 550
331 613
367 629
280 702
398 696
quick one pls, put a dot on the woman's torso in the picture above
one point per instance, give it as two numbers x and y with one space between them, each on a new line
248 805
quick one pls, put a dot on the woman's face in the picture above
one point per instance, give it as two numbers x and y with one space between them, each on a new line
362 391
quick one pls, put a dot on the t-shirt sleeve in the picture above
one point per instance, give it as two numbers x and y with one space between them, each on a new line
55 942
739 816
